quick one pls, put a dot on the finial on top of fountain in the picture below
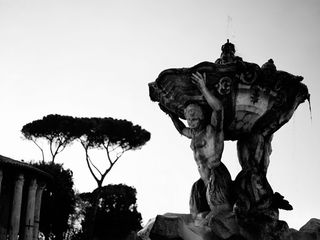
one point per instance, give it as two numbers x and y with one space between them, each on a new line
227 54
228 47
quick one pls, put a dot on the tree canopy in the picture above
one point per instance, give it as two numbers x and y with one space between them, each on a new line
114 137
117 214
111 135
57 130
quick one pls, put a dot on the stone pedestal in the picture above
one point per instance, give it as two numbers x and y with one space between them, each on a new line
179 227
165 228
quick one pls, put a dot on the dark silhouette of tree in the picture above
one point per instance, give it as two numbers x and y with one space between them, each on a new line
58 200
114 137
117 214
57 130
81 204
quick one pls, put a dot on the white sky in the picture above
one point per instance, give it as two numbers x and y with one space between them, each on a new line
95 59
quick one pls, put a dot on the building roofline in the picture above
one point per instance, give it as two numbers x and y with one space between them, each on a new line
11 163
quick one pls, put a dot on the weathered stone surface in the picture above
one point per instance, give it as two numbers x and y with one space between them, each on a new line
165 228
255 99
310 231
262 229
312 226
296 235
179 227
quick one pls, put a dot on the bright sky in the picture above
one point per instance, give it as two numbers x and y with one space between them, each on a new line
95 59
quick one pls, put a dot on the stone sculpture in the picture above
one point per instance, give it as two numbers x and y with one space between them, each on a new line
207 141
231 100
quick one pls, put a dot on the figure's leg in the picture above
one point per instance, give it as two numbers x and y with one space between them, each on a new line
198 201
219 189
220 198
254 151
266 153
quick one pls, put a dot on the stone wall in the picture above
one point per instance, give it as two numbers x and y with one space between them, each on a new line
21 187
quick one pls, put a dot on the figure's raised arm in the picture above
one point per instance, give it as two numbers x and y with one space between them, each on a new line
200 80
217 113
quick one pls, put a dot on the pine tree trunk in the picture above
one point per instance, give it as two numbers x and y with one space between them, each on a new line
93 215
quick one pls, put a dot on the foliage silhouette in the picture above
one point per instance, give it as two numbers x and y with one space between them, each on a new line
57 130
113 136
117 214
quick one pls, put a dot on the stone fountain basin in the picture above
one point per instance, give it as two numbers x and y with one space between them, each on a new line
255 100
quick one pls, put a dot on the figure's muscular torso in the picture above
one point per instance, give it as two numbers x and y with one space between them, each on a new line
204 145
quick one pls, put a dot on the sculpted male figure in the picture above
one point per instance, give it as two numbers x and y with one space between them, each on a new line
210 200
